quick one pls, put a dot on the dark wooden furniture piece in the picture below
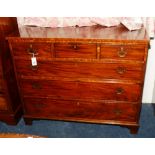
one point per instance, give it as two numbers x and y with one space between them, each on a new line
10 105
88 74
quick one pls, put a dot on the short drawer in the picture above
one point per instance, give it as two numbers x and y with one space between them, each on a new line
65 109
81 90
28 49
129 71
124 52
75 50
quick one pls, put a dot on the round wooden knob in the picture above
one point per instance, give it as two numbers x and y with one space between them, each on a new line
117 111
122 53
121 70
119 91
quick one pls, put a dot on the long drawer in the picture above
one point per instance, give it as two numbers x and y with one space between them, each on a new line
132 71
81 90
48 108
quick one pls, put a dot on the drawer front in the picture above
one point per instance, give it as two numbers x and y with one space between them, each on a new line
78 109
3 104
75 50
27 49
81 90
81 70
125 52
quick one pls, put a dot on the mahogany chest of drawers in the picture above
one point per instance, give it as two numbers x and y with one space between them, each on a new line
88 74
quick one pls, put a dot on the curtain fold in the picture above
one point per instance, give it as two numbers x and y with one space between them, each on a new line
132 23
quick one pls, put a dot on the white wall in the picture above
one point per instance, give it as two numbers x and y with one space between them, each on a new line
149 84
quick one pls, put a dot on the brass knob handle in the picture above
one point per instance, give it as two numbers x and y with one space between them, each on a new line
122 53
117 111
36 86
120 70
119 91
31 50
